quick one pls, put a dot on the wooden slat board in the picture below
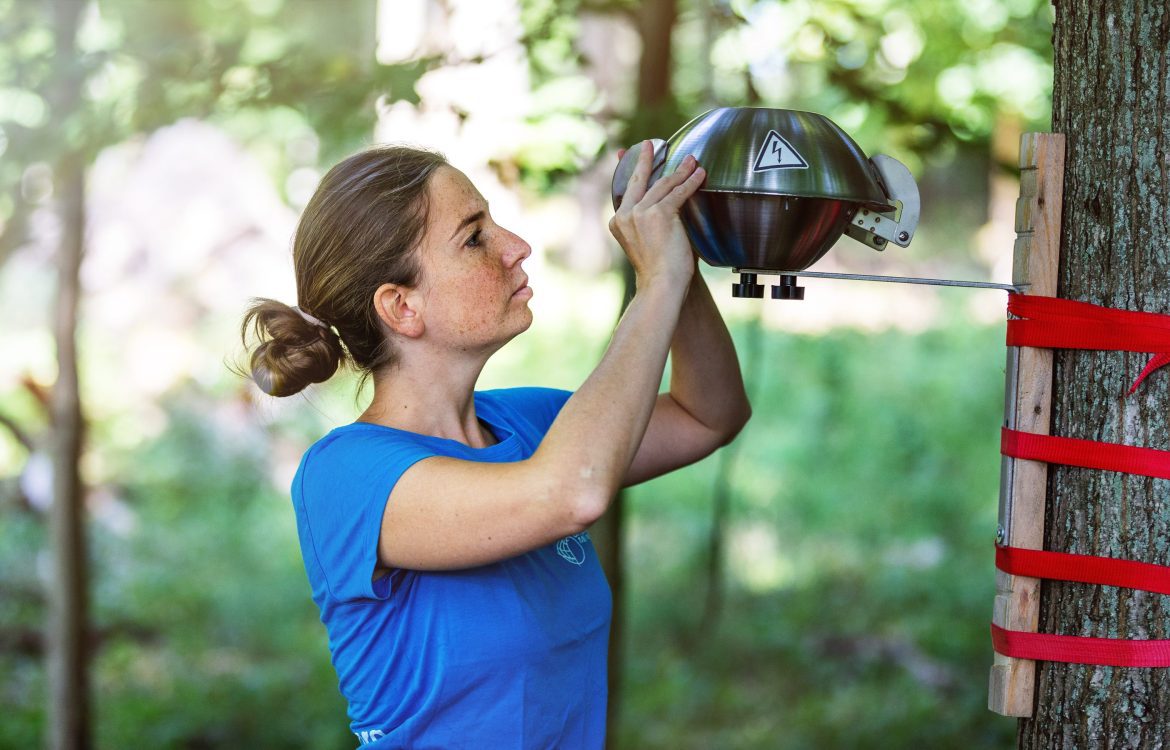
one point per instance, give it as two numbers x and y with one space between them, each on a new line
1024 484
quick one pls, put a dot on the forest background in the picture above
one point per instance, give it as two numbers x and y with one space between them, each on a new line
825 581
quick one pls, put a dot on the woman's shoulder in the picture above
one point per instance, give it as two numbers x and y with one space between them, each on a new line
363 436
359 448
537 405
525 396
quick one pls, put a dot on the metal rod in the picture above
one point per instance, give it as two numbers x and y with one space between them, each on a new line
891 279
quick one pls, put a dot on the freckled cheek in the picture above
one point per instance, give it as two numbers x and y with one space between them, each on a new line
481 299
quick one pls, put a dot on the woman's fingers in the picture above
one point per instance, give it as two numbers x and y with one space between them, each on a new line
671 191
636 187
663 187
684 189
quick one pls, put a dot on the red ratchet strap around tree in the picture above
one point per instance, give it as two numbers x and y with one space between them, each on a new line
1087 454
1052 323
1064 324
1112 652
1117 652
1108 571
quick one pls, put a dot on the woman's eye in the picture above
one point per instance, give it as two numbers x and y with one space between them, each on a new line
473 240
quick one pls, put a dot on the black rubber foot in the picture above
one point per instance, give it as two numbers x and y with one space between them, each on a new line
747 287
787 289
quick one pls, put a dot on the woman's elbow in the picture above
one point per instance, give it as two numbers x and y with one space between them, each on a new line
573 493
587 506
736 422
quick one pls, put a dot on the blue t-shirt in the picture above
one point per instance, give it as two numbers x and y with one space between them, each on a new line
506 655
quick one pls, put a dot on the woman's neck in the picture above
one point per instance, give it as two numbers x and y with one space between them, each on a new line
436 401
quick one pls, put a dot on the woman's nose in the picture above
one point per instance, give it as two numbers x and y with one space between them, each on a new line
516 249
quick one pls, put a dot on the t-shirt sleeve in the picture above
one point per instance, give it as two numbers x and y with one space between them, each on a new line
344 489
539 406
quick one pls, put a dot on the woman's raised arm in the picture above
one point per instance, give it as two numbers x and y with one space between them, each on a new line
446 513
707 404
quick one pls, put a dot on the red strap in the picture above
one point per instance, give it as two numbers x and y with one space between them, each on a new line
1115 652
1109 571
1054 323
1156 361
1062 566
1149 462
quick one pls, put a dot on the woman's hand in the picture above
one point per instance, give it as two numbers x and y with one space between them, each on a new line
647 224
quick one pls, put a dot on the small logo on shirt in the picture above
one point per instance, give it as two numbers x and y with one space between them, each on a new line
572 548
369 736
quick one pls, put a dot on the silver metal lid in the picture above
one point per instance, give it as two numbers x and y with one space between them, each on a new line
776 152
782 186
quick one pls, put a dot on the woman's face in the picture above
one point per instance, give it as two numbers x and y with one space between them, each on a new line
475 292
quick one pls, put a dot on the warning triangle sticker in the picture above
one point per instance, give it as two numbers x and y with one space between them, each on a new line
778 153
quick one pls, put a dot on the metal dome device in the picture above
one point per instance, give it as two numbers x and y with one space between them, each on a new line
782 187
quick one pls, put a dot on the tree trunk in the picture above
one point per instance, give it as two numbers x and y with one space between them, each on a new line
655 27
1111 100
68 710
727 469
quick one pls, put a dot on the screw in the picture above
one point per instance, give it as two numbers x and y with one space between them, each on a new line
879 241
903 236
1000 535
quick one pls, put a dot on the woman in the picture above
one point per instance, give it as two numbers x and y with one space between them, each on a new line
444 531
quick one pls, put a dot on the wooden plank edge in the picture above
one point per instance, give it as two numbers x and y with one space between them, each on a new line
1012 682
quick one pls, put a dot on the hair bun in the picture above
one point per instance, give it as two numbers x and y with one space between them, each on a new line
296 349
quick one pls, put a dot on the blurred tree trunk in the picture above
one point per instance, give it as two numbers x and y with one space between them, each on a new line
728 457
1111 99
656 20
68 710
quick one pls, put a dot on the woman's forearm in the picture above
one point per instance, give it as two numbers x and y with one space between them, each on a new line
588 450
599 429
705 377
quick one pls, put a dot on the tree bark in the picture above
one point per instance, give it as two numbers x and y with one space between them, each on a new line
68 710
1110 98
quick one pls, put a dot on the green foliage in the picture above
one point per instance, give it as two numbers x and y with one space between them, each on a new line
205 633
22 611
564 134
860 570
267 71
906 77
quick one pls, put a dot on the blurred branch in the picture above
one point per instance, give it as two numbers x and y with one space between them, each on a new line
858 90
17 432
22 641
16 593
40 393
16 228
12 495
870 649
31 641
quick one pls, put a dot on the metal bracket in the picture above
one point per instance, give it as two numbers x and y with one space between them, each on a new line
1018 288
876 228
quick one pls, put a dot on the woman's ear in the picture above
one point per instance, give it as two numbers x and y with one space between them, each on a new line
400 309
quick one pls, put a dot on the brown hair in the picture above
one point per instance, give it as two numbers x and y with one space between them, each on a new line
360 230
